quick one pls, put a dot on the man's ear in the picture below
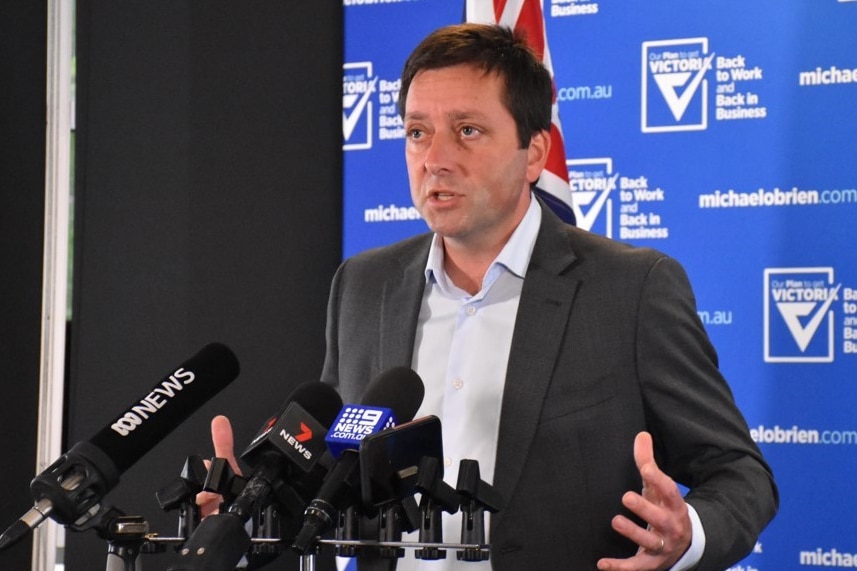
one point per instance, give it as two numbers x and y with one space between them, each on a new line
537 154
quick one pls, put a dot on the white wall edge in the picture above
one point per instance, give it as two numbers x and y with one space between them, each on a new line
50 536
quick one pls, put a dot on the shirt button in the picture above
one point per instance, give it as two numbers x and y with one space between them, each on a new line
447 462
470 310
457 384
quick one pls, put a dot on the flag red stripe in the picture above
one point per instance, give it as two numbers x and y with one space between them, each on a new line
531 23
556 155
499 6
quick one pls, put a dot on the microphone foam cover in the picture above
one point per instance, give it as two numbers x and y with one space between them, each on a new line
318 399
400 389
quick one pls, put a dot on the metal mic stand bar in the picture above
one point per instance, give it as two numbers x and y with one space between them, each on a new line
308 560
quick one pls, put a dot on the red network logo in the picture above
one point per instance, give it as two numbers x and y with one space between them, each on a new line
305 433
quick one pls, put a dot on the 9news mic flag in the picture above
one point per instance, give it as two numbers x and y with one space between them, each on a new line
396 394
527 18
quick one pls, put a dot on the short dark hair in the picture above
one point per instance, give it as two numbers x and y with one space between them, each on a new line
495 49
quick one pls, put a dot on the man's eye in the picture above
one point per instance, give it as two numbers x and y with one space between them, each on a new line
468 131
415 134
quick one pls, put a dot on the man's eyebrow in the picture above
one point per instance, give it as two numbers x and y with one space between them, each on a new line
415 116
467 115
454 115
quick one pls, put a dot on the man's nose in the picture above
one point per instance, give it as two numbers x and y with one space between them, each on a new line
439 155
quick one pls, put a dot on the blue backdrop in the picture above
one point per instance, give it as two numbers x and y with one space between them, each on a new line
722 133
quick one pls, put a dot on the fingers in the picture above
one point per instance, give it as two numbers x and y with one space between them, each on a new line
658 487
667 532
656 551
222 438
642 561
209 503
647 538
644 450
223 441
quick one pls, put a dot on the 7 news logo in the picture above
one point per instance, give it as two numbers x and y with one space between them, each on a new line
299 441
674 89
799 319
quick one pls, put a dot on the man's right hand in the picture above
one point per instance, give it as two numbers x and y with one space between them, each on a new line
221 437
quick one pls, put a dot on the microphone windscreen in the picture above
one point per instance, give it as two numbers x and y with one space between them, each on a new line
318 399
399 389
147 421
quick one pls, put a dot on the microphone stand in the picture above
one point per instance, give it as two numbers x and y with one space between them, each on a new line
128 534
437 496
473 495
308 560
478 496
180 494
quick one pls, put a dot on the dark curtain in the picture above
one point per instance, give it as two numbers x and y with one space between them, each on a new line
23 43
208 208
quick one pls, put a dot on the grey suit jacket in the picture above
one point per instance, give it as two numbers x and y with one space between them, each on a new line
607 343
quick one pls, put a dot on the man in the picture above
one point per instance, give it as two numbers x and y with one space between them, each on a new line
574 368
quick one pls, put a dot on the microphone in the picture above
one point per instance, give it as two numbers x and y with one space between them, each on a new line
289 446
396 464
390 461
395 395
292 439
69 490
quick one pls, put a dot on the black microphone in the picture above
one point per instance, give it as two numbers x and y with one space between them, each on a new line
390 460
396 464
399 390
289 446
69 490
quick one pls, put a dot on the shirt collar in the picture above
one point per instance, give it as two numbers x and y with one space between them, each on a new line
515 255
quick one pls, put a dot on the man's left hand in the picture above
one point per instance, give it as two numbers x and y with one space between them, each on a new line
661 506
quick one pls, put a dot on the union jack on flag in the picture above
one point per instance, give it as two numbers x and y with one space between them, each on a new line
527 17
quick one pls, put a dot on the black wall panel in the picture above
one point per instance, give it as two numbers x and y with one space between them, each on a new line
23 38
208 209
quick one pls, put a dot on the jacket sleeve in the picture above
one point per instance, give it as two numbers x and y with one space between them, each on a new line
702 440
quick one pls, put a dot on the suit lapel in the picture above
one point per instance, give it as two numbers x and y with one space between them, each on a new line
543 313
400 308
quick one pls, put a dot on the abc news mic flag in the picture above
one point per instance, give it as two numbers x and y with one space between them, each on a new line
72 487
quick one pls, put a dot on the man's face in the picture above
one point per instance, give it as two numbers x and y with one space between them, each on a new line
469 178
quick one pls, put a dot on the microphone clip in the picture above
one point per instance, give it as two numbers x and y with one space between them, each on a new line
477 496
71 488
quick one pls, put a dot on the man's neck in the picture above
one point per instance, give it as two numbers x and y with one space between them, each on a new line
466 259
465 268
